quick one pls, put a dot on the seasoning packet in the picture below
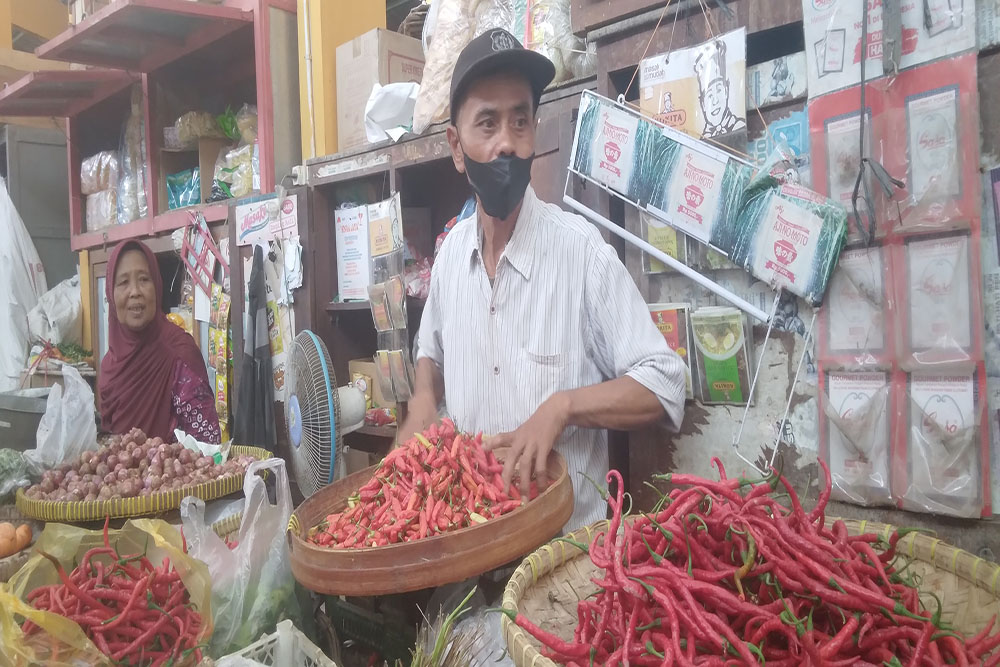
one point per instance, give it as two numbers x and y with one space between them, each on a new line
722 355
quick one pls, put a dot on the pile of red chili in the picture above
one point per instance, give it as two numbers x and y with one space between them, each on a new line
730 572
436 482
135 613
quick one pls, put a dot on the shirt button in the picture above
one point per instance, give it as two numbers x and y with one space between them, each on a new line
493 310
496 370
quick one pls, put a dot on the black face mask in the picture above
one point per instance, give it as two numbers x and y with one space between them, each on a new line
500 184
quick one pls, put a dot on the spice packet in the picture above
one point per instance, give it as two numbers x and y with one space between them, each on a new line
383 374
856 415
856 319
672 320
380 307
722 355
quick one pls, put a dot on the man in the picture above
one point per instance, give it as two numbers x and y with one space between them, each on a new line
529 309
713 90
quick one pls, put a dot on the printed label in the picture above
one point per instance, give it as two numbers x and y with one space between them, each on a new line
695 194
613 148
940 314
786 244
932 123
857 322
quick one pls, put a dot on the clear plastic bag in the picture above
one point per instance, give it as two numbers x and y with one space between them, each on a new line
99 172
195 125
945 469
855 323
940 317
101 210
246 123
132 169
68 427
252 584
452 31
62 642
233 174
856 417
183 189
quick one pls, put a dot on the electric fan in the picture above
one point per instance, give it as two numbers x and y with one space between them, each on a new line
318 414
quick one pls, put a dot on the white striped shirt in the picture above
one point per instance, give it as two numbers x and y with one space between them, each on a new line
562 313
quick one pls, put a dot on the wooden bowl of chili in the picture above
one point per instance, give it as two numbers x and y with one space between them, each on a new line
429 562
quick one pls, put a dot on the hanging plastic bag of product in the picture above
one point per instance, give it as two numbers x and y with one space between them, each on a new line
452 31
252 583
132 167
59 641
68 427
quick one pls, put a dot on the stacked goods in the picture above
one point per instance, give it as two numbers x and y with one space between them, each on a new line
437 482
135 613
130 466
728 571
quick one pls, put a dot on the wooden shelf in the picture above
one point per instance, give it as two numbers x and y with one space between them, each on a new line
378 431
165 222
346 306
143 35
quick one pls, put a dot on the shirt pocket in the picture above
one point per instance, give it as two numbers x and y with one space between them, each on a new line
543 374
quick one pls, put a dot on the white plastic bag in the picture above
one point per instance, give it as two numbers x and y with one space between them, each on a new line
23 281
58 316
68 427
252 584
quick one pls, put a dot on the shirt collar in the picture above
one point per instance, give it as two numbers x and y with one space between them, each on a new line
520 250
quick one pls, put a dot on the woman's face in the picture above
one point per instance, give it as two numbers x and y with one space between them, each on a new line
135 293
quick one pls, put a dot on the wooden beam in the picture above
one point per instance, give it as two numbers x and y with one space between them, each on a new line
45 18
86 302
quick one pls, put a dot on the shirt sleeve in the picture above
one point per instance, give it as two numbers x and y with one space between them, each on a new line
623 339
429 343
194 405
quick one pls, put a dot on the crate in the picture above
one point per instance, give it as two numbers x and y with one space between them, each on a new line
286 647
393 641
20 413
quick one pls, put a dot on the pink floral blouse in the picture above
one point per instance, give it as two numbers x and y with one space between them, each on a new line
193 409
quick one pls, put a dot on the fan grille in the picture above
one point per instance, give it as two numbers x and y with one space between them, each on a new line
312 383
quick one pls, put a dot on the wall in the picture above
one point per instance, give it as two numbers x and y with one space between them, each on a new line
331 23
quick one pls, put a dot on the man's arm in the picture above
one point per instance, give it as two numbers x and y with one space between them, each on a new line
422 408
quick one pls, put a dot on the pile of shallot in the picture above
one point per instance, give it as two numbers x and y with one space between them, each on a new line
129 466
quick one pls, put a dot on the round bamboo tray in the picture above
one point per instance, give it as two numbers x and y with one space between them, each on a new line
550 582
81 511
434 561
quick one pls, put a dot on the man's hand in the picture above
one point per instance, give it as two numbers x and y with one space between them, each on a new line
529 446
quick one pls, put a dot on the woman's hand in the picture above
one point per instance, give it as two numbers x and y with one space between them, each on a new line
530 444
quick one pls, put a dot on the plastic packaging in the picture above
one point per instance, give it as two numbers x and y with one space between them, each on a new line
939 320
132 170
856 416
856 324
233 174
61 642
252 584
68 427
931 124
23 278
58 317
195 125
453 30
14 473
183 189
101 210
246 123
943 467
551 34
99 172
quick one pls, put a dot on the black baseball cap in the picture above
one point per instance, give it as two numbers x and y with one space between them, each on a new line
493 51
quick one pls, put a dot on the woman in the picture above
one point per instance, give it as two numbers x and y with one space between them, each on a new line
153 376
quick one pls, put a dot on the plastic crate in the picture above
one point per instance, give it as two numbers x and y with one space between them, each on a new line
287 647
393 641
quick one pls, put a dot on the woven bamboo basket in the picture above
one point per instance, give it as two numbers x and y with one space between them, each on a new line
158 503
549 583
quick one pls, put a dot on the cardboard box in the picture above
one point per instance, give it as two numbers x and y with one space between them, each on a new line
367 367
356 460
378 56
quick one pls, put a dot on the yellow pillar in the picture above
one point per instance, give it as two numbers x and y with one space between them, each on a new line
87 301
45 18
331 23
6 25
